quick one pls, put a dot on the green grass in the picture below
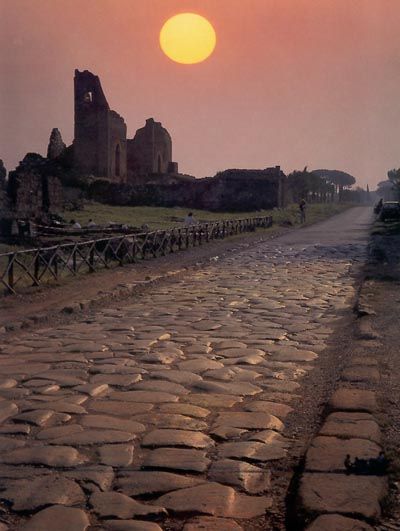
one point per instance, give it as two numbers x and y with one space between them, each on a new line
162 218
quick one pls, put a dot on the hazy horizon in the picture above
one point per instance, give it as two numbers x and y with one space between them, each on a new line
293 83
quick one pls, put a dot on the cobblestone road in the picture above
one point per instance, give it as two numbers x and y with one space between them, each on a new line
173 405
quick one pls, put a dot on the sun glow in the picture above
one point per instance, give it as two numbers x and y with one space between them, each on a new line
188 38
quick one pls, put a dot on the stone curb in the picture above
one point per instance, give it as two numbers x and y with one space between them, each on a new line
329 497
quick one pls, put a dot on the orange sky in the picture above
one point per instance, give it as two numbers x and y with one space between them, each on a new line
292 82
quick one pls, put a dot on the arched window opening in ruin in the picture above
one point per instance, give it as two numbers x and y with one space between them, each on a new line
88 97
159 166
117 161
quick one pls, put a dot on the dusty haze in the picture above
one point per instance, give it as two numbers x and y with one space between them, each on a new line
292 82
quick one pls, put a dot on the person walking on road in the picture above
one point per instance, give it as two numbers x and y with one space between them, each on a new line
302 208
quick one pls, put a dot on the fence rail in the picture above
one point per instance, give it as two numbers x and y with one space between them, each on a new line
34 267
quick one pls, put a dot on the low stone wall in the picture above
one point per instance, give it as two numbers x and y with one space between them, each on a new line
233 190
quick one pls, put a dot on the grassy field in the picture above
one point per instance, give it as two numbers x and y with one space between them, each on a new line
161 218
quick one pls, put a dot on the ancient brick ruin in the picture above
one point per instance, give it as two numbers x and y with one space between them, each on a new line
100 134
150 151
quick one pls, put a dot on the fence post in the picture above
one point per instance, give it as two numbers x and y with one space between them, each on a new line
36 269
74 259
91 259
11 271
55 261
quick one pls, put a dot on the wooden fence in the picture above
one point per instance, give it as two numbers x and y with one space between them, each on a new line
34 267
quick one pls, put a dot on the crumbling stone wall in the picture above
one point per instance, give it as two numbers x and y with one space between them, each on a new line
33 192
150 151
100 133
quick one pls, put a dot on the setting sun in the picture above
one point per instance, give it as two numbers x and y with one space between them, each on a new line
188 38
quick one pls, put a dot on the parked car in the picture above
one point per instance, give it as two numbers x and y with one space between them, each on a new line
390 211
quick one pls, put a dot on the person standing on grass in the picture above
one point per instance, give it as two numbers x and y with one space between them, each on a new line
302 208
189 220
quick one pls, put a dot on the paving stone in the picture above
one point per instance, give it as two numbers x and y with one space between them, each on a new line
162 385
67 518
54 456
151 397
116 454
357 496
251 479
199 365
353 400
122 409
252 450
215 500
226 344
104 421
210 400
327 454
185 409
116 505
227 432
352 425
165 358
7 410
211 524
249 420
39 492
42 417
93 436
117 380
58 431
361 374
93 389
273 408
244 360
180 377
99 477
231 388
172 421
60 406
131 525
270 437
16 429
206 325
166 437
283 386
240 352
177 459
236 374
9 443
7 383
292 354
139 483
335 522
